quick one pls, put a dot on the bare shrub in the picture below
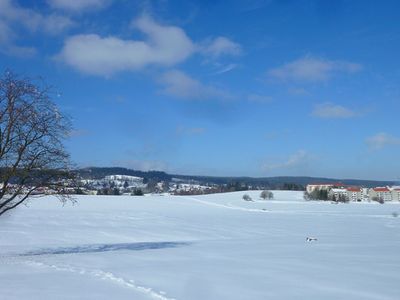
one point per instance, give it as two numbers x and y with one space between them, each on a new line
246 197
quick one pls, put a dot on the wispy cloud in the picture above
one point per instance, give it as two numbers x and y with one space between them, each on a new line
78 5
14 18
217 51
381 140
226 68
332 111
178 84
142 165
311 69
8 43
220 46
14 15
298 159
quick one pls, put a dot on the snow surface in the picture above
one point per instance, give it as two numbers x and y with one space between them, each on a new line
200 247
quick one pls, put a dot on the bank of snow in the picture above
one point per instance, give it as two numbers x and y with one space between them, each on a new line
200 247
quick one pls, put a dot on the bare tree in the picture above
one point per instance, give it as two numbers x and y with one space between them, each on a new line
378 199
33 159
266 195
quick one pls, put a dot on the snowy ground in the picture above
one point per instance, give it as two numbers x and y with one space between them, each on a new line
201 247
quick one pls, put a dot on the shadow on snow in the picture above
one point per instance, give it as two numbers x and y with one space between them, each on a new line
107 247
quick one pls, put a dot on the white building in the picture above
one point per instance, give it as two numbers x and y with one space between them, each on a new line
396 194
322 186
123 178
337 194
380 193
364 194
355 194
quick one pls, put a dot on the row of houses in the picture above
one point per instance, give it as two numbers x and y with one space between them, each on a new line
339 191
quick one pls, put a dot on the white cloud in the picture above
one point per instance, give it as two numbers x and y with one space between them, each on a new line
92 54
7 42
78 5
298 159
13 14
221 46
311 69
381 140
331 111
163 45
179 84
14 17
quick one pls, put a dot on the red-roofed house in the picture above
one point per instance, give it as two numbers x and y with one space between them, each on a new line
396 194
355 193
380 193
381 189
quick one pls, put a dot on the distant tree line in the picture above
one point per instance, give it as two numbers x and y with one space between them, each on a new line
235 186
292 187
272 183
109 191
116 192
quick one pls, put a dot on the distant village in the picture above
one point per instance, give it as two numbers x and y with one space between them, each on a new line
339 192
138 186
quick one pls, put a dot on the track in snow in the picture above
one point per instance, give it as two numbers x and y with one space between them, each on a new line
227 206
103 275
106 247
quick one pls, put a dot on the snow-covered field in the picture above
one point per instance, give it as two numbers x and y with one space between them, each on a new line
200 247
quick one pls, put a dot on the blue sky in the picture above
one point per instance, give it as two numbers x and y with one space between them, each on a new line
255 88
